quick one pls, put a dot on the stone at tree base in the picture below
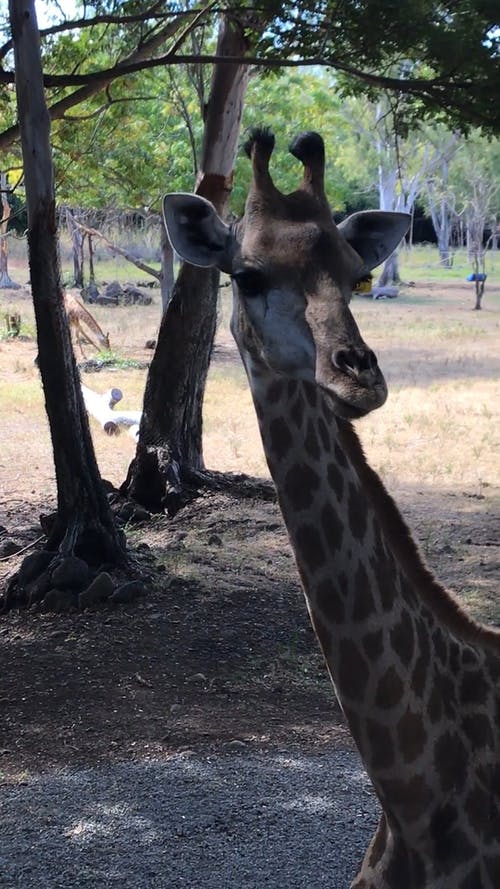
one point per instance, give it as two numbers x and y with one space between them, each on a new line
58 601
9 548
128 592
72 573
99 590
39 587
33 565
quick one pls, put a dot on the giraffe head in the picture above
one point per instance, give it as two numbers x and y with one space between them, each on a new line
293 272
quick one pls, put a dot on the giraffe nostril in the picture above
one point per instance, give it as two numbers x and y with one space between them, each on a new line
345 360
355 361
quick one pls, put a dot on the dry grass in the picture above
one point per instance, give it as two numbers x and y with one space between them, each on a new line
440 427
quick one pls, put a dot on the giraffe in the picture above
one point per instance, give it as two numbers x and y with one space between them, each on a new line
78 318
417 679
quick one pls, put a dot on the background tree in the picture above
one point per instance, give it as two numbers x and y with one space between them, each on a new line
84 524
476 185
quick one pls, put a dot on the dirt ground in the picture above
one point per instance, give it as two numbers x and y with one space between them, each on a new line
220 651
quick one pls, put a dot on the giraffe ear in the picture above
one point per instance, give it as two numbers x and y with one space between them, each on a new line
374 234
196 232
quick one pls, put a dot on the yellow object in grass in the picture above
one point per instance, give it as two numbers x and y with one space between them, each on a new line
364 285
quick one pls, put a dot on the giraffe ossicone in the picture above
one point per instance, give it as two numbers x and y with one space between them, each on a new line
417 679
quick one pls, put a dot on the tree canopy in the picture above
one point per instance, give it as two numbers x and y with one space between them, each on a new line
443 58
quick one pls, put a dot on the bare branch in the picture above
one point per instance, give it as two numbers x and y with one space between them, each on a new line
114 249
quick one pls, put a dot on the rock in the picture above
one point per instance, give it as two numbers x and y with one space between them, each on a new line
90 294
197 677
128 592
38 589
58 601
99 590
33 565
132 512
47 522
150 344
215 540
134 297
9 548
72 573
114 291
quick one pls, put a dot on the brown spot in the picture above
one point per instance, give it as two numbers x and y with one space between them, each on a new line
379 842
297 410
301 483
492 864
479 730
442 822
411 735
412 798
327 411
423 640
469 657
340 456
402 639
473 880
335 480
419 677
450 761
454 848
333 529
324 435
310 549
373 644
281 437
454 658
311 442
398 871
352 717
357 512
445 684
389 689
435 706
324 635
275 391
311 393
329 601
384 571
382 747
440 646
473 688
353 671
483 813
364 603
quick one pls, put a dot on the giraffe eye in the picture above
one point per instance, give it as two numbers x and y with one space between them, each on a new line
251 282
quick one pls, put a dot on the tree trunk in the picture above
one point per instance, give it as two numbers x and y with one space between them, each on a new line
390 272
84 523
5 279
91 259
167 270
77 243
169 453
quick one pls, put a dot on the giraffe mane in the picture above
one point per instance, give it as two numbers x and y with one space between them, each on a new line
437 597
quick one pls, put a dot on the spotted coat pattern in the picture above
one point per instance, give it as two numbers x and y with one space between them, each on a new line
421 698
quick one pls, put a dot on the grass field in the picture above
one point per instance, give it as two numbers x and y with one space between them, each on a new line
440 426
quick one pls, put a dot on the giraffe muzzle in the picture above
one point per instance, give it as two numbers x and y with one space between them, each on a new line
356 382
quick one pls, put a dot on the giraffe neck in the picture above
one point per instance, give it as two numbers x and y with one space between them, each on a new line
397 669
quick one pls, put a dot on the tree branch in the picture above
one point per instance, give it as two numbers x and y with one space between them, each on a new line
136 61
128 256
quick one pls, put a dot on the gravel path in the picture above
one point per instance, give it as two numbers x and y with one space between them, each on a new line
191 822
